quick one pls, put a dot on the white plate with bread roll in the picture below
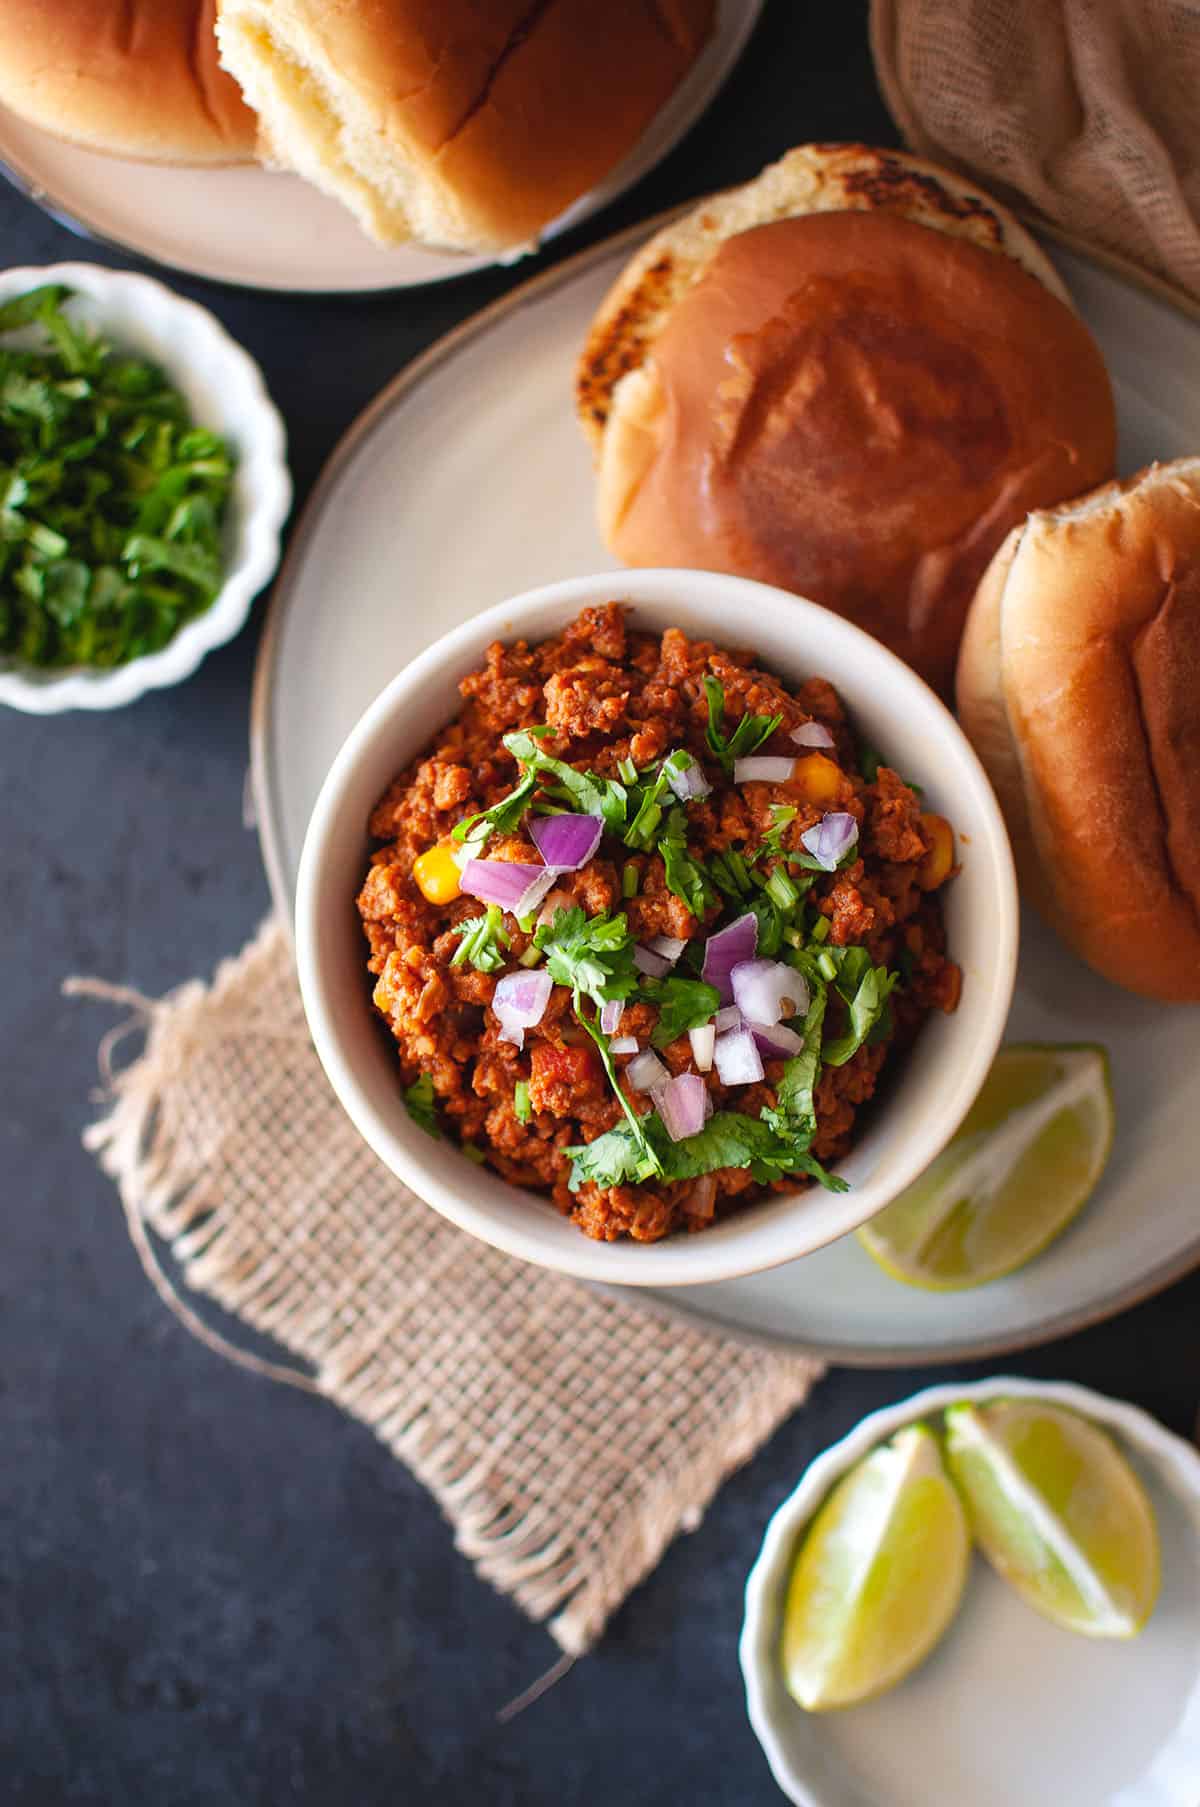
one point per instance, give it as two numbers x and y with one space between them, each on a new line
469 480
401 145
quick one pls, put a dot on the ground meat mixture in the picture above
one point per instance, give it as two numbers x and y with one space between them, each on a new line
610 696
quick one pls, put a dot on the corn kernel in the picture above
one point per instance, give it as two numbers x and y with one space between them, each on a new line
436 875
819 780
934 869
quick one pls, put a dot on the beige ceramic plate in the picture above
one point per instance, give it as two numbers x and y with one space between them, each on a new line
266 230
468 481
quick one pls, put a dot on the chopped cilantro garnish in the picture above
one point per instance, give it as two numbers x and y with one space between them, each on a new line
729 1139
649 799
594 956
522 1108
683 1004
419 1103
865 989
112 501
502 818
594 796
484 941
685 876
729 873
750 732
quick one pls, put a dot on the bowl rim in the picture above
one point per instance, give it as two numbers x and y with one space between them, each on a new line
256 549
675 1261
1173 1458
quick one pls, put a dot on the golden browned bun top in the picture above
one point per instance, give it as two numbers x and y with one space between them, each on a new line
134 78
1079 686
858 408
458 123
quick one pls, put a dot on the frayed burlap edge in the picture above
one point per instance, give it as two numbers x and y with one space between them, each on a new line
175 1160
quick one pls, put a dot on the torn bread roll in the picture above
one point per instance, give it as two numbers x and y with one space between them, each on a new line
850 378
132 78
1079 687
465 126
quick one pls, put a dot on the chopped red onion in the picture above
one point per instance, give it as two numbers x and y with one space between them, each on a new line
650 963
646 1072
831 839
681 1105
763 768
520 1001
502 882
737 1060
534 892
812 734
701 1201
724 950
776 1042
567 842
610 1015
766 990
689 785
702 1039
668 946
728 1018
624 1044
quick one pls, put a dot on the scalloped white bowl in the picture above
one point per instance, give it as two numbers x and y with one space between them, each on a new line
1009 1710
941 1074
225 391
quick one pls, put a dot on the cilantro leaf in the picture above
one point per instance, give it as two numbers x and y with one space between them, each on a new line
594 796
684 875
502 818
683 1004
728 1139
750 732
796 1112
484 941
419 1103
592 955
111 500
865 989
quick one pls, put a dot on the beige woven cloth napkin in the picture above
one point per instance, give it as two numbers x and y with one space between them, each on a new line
568 1435
1087 110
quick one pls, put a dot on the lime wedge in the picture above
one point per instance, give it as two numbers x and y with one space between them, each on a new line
878 1577
1024 1162
1058 1511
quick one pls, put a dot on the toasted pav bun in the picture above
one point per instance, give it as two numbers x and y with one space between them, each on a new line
459 123
1079 687
133 78
851 378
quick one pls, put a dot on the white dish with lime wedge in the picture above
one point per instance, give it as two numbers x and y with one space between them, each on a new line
1010 1710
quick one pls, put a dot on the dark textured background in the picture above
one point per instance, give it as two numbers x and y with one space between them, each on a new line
213 1590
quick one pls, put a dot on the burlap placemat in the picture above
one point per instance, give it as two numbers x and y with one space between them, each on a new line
1087 110
567 1434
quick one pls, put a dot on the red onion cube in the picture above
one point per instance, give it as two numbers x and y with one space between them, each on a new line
812 734
763 768
724 950
702 1039
690 785
737 1060
503 882
519 1001
728 1018
668 946
767 990
776 1042
567 841
832 838
701 1201
610 1015
681 1105
650 963
624 1044
646 1072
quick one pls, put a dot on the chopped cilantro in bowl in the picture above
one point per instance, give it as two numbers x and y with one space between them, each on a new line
112 499
225 414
